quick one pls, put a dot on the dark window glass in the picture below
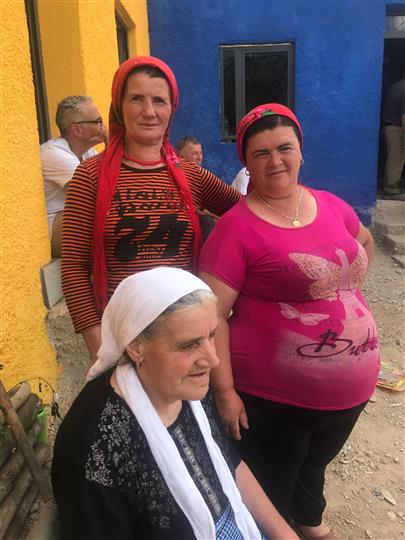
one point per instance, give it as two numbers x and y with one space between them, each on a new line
251 75
229 111
122 39
266 77
41 100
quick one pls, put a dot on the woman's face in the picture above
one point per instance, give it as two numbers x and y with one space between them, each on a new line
176 363
273 159
146 109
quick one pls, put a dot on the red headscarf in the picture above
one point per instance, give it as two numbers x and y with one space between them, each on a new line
268 109
110 166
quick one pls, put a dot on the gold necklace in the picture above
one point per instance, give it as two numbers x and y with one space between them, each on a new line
295 222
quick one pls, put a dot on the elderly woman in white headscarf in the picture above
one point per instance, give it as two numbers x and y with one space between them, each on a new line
138 456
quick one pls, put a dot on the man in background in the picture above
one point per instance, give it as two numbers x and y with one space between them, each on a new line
394 129
190 149
81 127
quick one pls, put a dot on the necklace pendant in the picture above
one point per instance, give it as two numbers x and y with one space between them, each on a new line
296 222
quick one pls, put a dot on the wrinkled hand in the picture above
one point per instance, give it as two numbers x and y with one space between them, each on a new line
232 412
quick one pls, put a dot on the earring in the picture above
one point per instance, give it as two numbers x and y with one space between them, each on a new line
247 172
138 364
302 162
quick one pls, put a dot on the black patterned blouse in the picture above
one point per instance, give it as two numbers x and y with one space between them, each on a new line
106 481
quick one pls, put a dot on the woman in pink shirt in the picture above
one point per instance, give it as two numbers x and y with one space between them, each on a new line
298 345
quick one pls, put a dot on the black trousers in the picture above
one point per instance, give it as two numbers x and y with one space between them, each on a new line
288 449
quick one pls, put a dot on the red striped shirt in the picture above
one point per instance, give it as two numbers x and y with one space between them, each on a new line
146 227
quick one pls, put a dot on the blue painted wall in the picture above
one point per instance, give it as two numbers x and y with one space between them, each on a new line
338 67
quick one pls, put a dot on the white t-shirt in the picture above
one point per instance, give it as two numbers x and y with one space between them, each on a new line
241 180
58 165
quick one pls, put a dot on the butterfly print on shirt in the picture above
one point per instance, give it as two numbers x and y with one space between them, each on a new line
309 319
333 281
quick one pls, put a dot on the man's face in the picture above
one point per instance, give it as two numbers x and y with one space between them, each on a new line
89 126
193 153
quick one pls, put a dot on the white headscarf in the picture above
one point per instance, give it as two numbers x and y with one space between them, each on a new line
135 304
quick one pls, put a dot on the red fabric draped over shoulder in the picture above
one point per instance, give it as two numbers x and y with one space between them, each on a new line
110 168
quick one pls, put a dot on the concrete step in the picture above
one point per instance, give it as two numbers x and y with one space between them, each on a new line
388 225
395 243
385 210
392 225
400 260
70 347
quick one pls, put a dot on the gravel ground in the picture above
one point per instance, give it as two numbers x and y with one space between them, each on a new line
365 485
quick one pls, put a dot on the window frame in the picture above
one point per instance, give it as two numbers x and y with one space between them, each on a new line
41 98
239 55
122 38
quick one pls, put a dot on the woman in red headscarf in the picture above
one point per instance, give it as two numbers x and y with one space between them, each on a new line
132 208
297 343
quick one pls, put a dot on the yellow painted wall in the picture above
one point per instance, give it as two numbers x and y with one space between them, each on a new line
61 52
24 348
135 16
79 45
79 50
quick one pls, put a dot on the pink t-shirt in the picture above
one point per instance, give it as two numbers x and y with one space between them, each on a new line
301 332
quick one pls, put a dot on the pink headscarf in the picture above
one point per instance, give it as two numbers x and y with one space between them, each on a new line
110 166
268 109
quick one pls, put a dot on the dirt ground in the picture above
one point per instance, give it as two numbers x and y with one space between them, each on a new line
371 465
365 486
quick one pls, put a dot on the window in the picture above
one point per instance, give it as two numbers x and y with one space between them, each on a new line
41 101
252 75
122 39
